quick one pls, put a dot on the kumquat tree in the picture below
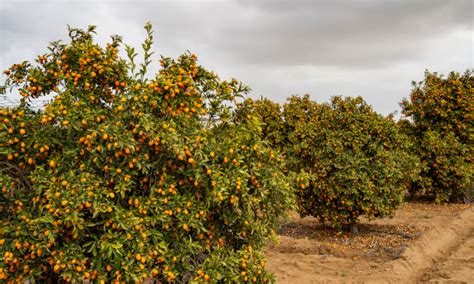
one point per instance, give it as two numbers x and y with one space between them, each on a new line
357 160
441 121
123 178
350 160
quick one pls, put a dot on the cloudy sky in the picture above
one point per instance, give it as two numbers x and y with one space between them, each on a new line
370 48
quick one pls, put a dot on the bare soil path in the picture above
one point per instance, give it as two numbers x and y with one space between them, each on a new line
423 242
457 266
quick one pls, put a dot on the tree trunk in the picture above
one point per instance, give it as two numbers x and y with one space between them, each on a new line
353 228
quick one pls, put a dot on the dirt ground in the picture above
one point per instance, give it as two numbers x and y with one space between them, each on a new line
421 243
455 267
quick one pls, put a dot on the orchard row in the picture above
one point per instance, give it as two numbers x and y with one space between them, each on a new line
180 178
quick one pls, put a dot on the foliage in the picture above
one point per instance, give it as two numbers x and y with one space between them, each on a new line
123 178
355 157
351 160
443 104
441 117
445 168
269 113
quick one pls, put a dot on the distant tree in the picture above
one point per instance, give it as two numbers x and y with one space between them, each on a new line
350 160
440 113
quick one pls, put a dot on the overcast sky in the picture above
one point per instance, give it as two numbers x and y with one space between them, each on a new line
279 48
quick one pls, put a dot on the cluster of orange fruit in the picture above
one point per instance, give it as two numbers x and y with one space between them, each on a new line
125 178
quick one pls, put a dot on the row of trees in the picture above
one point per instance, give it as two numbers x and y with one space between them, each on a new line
179 178
357 162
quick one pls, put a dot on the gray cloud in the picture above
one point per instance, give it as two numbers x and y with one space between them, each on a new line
369 48
358 34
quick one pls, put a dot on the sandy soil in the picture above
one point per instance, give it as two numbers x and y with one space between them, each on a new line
456 267
421 243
